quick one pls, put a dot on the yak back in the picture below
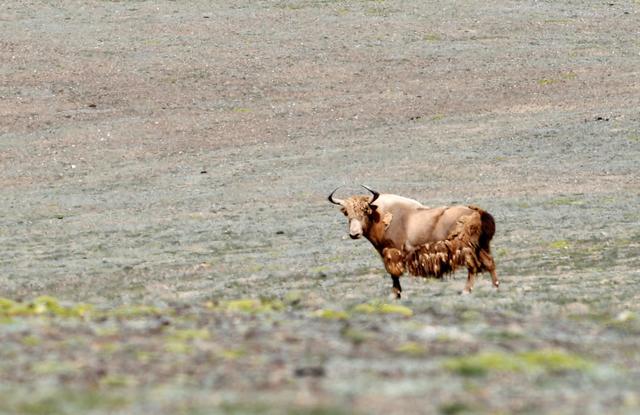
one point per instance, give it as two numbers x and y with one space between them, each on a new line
431 225
411 223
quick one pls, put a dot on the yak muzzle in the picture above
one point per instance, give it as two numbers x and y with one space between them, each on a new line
355 229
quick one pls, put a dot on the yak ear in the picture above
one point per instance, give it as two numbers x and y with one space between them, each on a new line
386 219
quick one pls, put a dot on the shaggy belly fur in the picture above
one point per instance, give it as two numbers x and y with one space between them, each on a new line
460 248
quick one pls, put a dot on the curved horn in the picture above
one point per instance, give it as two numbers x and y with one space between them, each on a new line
335 201
373 192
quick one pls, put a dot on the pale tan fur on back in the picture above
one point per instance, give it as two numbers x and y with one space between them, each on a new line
430 225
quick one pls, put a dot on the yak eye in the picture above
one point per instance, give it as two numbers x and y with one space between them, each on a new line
344 211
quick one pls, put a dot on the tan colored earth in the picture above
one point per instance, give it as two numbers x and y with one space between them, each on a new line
172 159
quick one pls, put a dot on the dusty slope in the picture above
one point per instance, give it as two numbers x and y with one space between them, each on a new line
170 154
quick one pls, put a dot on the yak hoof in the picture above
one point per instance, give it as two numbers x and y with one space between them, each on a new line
395 295
466 291
496 284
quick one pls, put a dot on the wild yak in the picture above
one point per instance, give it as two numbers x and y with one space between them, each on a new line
427 242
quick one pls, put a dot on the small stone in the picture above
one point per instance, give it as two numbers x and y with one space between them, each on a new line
309 371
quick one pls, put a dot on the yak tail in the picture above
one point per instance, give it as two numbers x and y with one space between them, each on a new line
464 247
488 229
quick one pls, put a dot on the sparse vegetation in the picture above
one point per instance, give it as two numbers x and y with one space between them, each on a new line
540 362
167 246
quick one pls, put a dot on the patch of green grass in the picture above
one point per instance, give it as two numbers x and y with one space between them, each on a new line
364 309
454 408
31 341
329 314
470 316
569 75
233 354
382 308
189 334
634 138
559 244
483 363
264 409
321 410
540 361
229 408
321 269
413 349
395 309
54 367
177 347
554 361
546 81
293 298
377 12
504 335
431 37
564 201
117 381
62 402
249 306
43 305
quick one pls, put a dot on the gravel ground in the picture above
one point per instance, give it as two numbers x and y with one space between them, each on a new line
168 246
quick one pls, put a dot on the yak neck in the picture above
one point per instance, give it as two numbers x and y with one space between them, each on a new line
375 231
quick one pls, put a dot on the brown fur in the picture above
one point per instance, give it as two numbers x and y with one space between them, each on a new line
443 257
393 261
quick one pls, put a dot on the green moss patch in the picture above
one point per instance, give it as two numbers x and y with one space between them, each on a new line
539 361
248 305
413 349
560 244
43 305
382 308
330 314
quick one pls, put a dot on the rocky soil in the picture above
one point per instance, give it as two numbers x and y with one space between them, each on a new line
167 246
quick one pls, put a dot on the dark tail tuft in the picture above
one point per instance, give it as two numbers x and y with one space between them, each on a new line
488 229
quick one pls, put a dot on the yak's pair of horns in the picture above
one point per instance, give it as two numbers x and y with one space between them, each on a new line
341 202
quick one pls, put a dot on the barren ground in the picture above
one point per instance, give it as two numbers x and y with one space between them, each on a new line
164 173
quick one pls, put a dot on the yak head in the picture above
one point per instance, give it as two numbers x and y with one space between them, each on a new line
359 210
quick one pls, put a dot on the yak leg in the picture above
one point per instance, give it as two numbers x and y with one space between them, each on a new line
494 278
397 289
489 264
468 287
394 264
